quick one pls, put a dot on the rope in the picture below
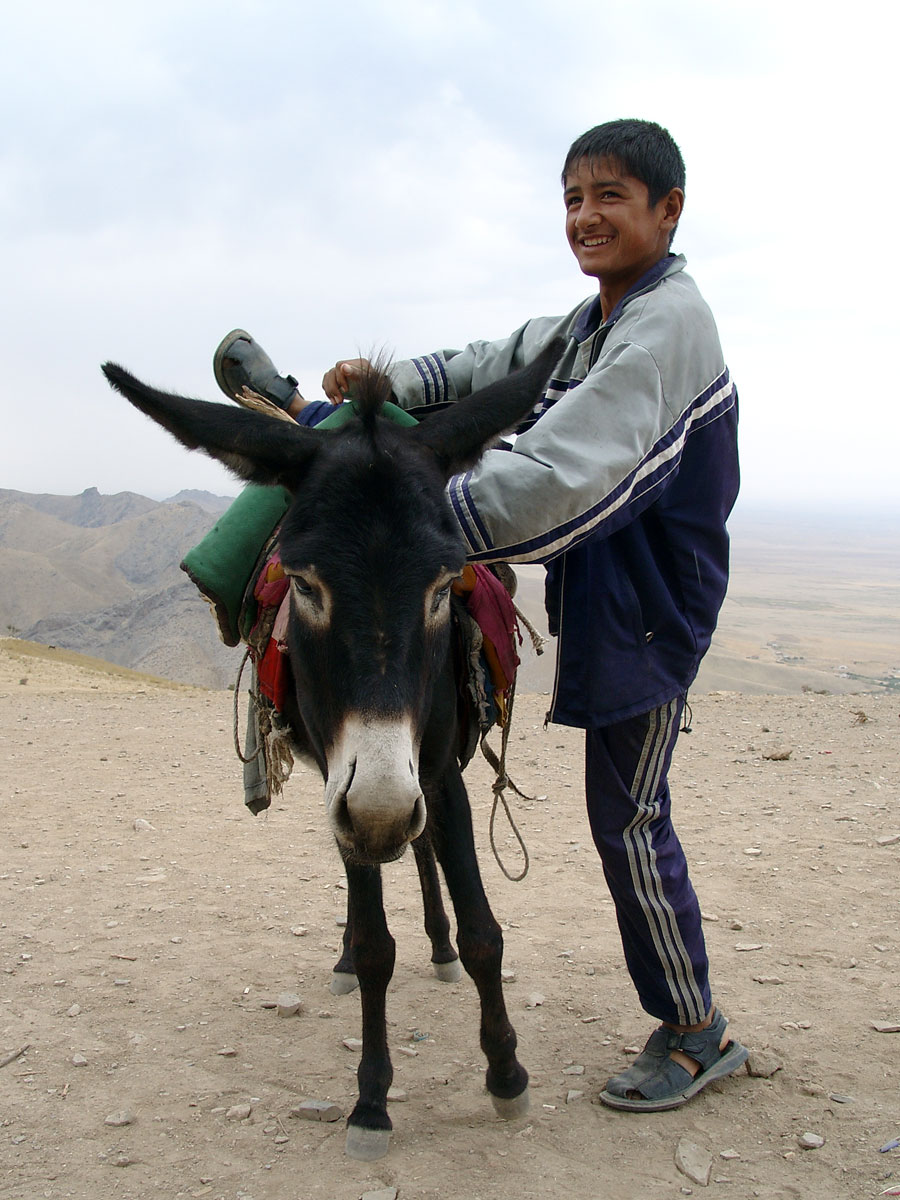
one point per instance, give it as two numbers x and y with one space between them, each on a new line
237 736
501 783
537 640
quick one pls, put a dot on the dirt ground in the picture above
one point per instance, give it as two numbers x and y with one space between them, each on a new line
137 961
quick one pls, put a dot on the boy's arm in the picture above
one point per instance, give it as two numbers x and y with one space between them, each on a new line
449 374
593 462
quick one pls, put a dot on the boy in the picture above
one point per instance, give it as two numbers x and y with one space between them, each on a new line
620 482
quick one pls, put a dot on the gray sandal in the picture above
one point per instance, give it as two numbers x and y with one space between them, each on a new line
654 1082
241 362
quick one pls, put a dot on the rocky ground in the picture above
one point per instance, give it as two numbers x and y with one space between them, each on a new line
147 922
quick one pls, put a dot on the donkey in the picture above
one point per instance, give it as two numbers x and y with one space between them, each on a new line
371 548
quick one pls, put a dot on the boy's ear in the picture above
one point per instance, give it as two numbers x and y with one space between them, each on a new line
674 207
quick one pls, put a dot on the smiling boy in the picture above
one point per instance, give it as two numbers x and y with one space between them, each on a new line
620 483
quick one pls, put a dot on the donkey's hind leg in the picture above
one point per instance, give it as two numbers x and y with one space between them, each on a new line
480 945
444 958
343 976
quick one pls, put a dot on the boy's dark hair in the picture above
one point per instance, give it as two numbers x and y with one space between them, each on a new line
642 149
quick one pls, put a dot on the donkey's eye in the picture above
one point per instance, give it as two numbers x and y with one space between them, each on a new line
440 598
302 586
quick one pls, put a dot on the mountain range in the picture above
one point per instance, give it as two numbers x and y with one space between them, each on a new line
100 575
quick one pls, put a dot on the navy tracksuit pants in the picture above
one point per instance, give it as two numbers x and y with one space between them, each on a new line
626 784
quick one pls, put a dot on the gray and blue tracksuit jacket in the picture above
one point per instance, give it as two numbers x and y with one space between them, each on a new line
620 482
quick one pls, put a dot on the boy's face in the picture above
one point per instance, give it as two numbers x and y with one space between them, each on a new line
614 232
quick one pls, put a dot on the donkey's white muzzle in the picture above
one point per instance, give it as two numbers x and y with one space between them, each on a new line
372 795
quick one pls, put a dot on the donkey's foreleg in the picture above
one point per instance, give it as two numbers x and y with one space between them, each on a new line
372 947
444 958
481 949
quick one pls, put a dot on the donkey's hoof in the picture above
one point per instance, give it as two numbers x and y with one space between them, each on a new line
512 1109
449 972
367 1144
342 982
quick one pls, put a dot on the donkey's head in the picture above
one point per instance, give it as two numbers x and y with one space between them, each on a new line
371 548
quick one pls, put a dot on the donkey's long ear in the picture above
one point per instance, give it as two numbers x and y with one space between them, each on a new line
252 445
461 433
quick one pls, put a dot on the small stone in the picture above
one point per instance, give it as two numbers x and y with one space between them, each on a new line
408 1051
73 1011
695 1162
507 975
573 1094
631 1049
886 1027
889 839
708 917
288 1004
316 1110
140 825
776 980
752 851
729 1155
839 1098
351 1043
762 1064
575 1069
121 1159
736 925
238 1112
119 1119
746 947
78 1060
778 754
227 1052
397 1095
299 930
388 1193
810 1141
535 1000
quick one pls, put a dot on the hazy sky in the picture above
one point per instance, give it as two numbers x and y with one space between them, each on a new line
337 177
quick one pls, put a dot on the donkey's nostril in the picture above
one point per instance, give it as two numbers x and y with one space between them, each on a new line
417 820
343 821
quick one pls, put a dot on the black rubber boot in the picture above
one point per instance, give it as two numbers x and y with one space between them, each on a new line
240 362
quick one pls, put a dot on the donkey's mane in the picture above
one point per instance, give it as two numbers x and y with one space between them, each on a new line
372 392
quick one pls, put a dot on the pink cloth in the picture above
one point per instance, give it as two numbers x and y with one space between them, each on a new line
491 607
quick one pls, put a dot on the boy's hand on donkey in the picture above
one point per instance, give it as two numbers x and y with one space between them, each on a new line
337 382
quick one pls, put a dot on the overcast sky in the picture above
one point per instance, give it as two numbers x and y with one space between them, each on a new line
338 177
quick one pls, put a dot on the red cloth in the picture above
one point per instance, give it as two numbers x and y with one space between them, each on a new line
491 607
273 669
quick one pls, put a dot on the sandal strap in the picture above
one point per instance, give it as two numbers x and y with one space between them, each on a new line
703 1046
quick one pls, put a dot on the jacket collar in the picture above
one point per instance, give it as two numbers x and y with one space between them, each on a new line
591 318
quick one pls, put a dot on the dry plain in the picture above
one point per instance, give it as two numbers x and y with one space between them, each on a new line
136 960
